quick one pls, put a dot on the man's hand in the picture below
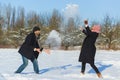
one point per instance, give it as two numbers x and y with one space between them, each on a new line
46 51
37 49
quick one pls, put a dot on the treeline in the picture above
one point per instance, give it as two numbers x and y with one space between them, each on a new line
15 24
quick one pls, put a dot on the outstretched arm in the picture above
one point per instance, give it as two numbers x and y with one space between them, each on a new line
88 31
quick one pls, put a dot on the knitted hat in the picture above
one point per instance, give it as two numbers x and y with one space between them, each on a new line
96 28
36 28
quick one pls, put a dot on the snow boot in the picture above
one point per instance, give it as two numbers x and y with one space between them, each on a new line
99 75
82 73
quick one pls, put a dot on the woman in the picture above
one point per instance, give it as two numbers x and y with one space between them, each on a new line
88 49
30 50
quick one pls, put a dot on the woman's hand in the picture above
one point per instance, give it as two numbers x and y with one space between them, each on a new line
81 29
86 22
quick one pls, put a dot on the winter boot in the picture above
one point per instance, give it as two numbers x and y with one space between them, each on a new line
82 73
99 75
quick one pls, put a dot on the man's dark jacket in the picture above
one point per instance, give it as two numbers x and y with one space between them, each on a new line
27 48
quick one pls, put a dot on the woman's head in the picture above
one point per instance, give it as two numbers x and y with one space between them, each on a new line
96 28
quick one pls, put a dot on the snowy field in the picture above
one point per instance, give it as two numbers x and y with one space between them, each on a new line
59 65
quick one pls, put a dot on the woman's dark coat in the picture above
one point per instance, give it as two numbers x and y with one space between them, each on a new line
88 49
27 48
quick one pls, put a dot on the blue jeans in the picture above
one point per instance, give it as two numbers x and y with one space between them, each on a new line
25 63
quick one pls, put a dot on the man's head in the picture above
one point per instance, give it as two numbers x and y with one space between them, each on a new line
36 30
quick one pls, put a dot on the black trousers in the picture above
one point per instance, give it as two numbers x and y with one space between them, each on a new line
92 65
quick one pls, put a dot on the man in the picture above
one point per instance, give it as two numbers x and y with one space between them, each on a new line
30 50
88 49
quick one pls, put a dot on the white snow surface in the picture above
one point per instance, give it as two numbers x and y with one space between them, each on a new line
60 65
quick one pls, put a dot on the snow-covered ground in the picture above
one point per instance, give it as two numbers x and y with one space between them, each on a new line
59 65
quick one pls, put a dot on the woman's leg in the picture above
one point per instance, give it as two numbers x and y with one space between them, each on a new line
96 70
35 66
94 67
22 67
83 67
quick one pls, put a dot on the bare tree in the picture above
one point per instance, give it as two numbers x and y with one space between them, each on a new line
116 36
55 20
13 18
8 15
32 19
20 21
1 30
70 25
108 32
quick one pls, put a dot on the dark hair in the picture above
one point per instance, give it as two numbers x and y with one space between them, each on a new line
36 28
